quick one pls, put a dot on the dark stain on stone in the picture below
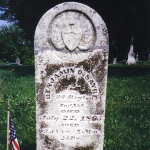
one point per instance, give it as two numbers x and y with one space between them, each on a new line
98 63
84 148
99 110
43 125
73 84
50 69
43 104
38 87
40 97
97 126
48 141
85 64
53 144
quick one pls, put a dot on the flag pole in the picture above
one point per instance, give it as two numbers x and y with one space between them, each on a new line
8 108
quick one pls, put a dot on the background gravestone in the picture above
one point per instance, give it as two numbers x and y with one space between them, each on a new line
18 61
131 56
114 60
137 57
71 61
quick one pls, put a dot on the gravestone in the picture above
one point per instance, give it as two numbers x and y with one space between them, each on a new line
6 63
131 56
137 57
18 61
71 62
114 60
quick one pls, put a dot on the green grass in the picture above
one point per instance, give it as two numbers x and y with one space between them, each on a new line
18 85
127 120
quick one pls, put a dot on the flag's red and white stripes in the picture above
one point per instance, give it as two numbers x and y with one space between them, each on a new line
12 136
15 145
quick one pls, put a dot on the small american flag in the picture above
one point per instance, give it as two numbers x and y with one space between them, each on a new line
12 135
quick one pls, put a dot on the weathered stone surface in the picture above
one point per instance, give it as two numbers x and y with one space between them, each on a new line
71 59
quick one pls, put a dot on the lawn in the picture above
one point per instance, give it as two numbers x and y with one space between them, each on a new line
127 120
18 85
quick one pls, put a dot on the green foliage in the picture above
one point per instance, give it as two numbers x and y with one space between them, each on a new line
127 119
10 41
18 86
13 45
27 55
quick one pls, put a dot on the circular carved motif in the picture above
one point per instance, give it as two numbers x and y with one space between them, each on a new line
72 30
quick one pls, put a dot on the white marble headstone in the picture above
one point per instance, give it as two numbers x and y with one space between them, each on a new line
131 56
18 61
137 58
71 61
114 60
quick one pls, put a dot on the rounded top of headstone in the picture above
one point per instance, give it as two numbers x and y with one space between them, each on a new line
72 31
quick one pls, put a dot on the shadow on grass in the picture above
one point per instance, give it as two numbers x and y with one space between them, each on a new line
20 70
128 71
113 71
28 147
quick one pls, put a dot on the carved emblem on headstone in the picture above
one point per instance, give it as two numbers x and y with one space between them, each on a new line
71 36
72 30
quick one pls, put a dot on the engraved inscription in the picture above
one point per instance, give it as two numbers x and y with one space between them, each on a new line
72 94
72 79
68 117
66 131
73 121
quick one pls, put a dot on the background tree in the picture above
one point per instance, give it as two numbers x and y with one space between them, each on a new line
124 19
13 45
